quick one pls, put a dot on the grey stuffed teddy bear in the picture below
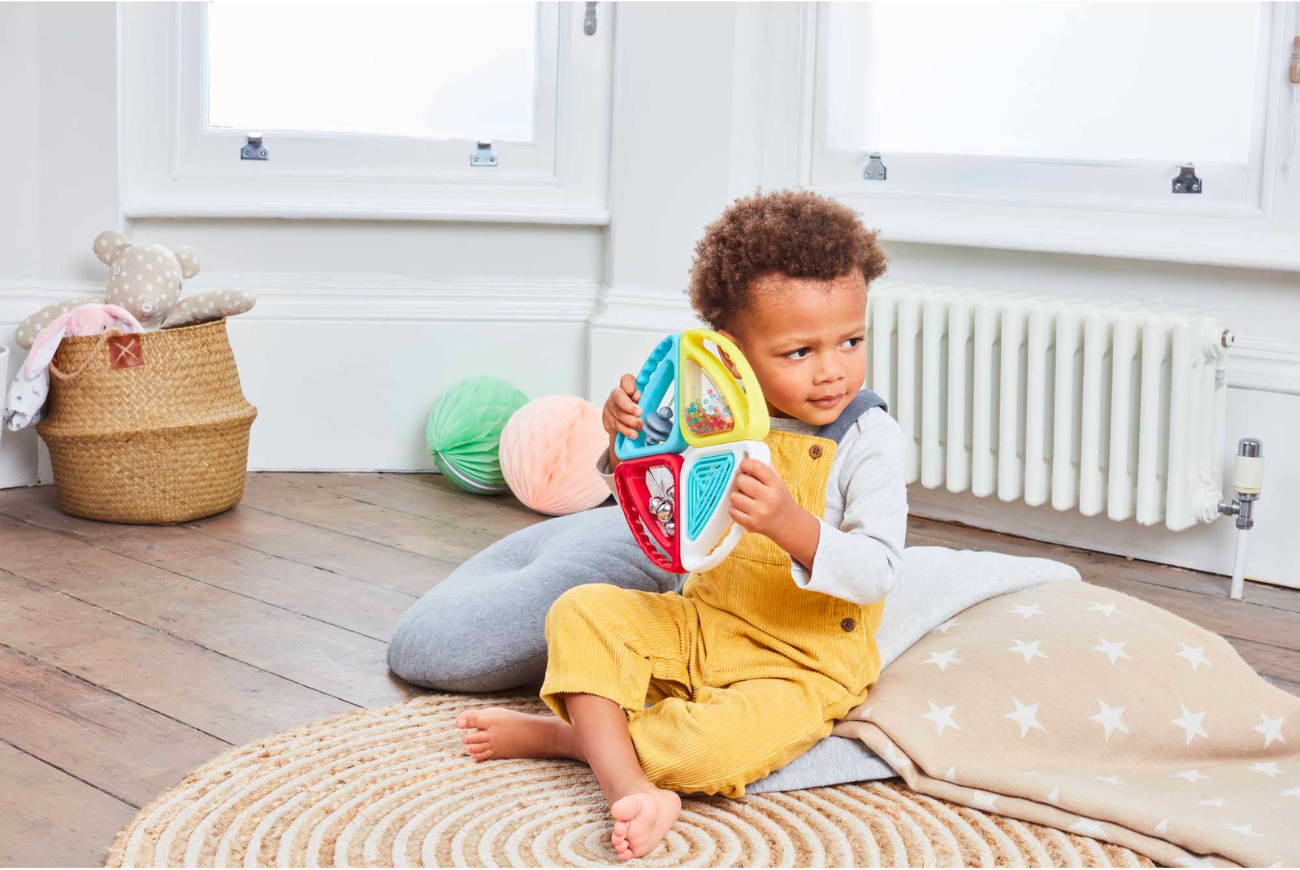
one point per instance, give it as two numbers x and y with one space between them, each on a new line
147 280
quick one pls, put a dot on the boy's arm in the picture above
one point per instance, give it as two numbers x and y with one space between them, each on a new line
860 560
606 462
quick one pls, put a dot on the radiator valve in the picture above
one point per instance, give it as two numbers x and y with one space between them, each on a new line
1247 477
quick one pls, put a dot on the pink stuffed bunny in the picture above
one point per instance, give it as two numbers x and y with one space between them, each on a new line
31 386
89 319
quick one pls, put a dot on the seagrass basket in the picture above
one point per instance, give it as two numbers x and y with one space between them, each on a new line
149 429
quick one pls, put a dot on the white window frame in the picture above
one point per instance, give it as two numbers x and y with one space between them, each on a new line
1249 215
176 165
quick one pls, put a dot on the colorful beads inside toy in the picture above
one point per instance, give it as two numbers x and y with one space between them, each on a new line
709 416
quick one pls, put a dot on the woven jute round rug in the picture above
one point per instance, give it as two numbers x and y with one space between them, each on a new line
393 787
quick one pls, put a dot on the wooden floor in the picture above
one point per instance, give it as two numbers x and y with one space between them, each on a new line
131 655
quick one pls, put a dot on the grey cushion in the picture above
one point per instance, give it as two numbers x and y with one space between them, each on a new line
483 627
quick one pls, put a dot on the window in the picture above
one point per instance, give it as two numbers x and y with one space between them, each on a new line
1051 126
1067 81
368 110
434 71
1074 101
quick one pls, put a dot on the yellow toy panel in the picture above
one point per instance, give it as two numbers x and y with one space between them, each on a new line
714 408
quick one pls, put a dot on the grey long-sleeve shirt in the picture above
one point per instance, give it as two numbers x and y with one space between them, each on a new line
862 533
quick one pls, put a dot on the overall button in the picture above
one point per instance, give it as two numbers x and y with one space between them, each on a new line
815 451
848 624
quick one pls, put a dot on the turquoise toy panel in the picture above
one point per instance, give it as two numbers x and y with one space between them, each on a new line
705 488
658 382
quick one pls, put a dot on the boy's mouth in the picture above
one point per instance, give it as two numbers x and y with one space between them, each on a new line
828 402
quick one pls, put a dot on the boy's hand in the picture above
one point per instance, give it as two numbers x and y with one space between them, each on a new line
622 415
761 502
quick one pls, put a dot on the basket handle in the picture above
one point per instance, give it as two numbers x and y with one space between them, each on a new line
103 338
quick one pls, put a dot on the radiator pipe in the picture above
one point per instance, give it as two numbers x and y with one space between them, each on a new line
1247 477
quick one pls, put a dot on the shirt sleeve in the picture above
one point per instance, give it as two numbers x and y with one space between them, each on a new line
602 468
860 560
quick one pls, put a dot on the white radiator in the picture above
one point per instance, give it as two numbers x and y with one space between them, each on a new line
1081 403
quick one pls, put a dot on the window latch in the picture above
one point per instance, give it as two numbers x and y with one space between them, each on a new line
1187 182
875 169
589 20
484 156
253 149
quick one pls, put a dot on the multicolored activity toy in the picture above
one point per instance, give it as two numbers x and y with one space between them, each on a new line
699 422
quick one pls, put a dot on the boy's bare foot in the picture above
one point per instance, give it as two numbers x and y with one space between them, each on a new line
642 819
506 733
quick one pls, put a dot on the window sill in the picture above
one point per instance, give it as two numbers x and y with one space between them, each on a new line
167 207
1244 238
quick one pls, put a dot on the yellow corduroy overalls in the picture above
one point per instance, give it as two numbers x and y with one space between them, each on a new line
744 670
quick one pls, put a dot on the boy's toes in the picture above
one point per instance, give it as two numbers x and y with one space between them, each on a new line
475 738
468 719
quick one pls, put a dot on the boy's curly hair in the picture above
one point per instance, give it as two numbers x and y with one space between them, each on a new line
799 234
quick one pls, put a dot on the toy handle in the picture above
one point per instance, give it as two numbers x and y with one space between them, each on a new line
758 451
625 501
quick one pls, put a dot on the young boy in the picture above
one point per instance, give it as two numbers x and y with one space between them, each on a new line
752 663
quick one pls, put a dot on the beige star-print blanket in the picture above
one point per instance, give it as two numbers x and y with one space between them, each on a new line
1084 709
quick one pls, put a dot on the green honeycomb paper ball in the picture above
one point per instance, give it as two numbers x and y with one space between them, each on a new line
464 431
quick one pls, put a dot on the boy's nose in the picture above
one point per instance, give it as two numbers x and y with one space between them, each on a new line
829 373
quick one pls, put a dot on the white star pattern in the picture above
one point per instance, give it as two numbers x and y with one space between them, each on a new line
983 800
1290 792
1054 797
1162 829
1244 830
1190 775
1211 802
1194 655
1113 650
1195 861
1107 609
1026 610
1109 717
1028 650
1025 717
942 629
1268 768
951 775
1270 728
1111 780
1192 724
139 258
941 717
944 659
896 758
1088 827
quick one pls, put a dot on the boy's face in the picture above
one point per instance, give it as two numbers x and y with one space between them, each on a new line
805 340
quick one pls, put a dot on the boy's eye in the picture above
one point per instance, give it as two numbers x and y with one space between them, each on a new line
800 353
853 342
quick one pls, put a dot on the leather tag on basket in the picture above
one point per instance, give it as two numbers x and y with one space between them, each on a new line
125 351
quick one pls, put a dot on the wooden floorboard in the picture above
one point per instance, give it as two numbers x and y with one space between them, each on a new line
130 655
324 657
116 745
214 693
51 819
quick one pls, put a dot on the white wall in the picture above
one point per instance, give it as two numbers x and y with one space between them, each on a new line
362 324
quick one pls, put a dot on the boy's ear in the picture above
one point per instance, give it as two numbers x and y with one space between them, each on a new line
726 360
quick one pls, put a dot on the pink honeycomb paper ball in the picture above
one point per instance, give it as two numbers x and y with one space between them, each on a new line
548 455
